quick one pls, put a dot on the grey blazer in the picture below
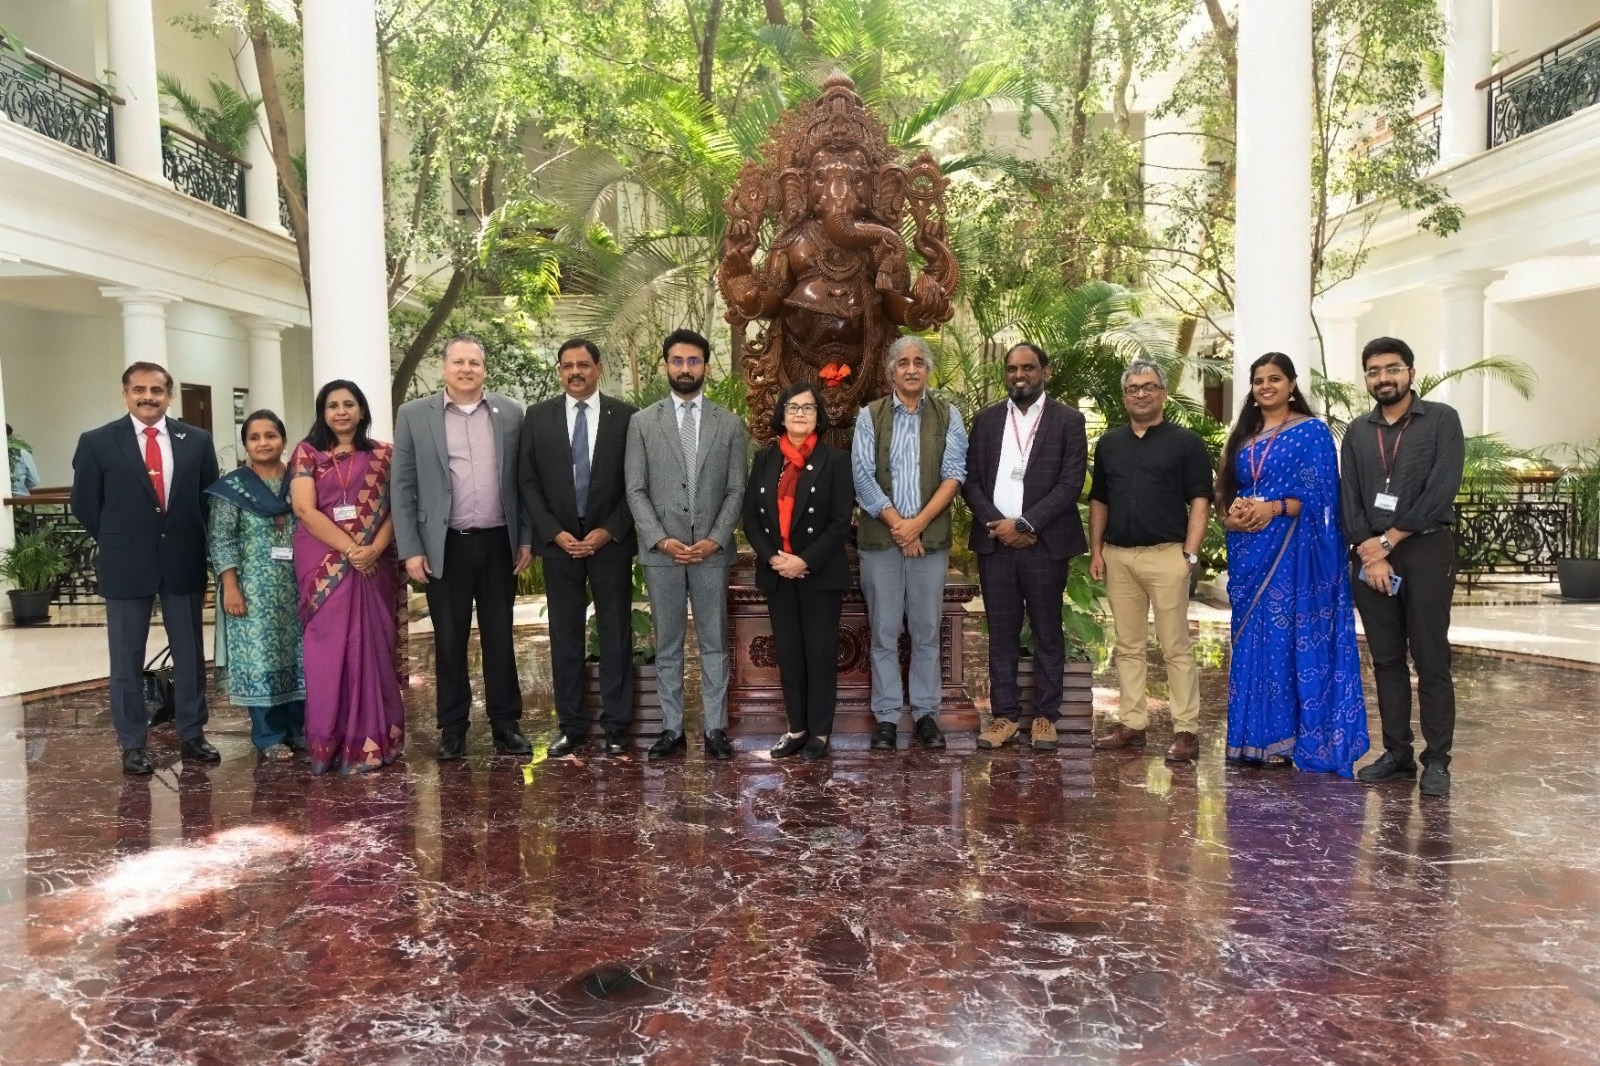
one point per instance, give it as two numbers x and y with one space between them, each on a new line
657 483
420 481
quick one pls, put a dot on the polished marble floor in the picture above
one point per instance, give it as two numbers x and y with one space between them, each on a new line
874 908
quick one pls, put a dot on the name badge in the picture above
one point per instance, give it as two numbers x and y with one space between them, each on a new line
345 512
1383 501
283 555
1018 472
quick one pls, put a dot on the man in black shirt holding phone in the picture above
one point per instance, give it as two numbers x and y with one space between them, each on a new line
1400 471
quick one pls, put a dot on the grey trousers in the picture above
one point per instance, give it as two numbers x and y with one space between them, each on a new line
904 593
673 589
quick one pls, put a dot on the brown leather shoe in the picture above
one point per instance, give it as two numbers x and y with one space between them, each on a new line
1120 737
1185 746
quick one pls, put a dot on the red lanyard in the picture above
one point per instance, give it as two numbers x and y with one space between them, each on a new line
1024 446
344 479
1389 459
1257 466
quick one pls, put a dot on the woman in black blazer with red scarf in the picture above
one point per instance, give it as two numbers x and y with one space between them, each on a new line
797 525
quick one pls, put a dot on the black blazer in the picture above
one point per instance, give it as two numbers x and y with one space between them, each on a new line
1050 487
544 477
823 503
143 548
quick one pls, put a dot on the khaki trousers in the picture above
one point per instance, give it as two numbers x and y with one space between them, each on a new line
1138 579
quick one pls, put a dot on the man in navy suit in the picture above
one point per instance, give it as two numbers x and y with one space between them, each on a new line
138 487
1025 468
573 490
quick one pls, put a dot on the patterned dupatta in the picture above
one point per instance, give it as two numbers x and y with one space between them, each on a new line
360 478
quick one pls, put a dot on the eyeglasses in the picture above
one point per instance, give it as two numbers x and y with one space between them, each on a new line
679 361
1148 389
800 408
1393 370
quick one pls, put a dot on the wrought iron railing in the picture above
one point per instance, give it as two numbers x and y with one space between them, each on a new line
54 101
1546 88
50 512
196 166
1523 531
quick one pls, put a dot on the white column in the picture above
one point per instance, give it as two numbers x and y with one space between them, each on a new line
7 533
261 180
1272 244
1341 340
1469 44
349 303
131 41
1461 341
266 361
144 324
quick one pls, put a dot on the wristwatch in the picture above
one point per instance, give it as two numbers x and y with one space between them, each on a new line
1022 525
1385 543
1191 558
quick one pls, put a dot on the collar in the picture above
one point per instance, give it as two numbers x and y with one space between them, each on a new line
593 401
1419 408
1033 408
901 403
680 403
161 427
464 408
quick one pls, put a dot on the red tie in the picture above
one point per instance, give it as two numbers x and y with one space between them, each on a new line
152 464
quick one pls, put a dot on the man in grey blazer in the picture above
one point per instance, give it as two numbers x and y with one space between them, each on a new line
685 483
463 535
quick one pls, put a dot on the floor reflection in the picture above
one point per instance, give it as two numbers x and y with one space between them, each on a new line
876 907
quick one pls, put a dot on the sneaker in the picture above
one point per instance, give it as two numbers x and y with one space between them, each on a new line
883 737
1000 732
1435 779
1388 767
1120 737
1043 737
929 735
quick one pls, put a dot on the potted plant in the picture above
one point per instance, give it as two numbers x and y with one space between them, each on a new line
1579 570
33 565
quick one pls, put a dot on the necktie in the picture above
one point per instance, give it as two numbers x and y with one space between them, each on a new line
687 435
580 458
152 465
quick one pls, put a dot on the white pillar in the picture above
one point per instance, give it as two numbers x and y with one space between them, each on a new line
1272 243
144 324
349 303
1468 47
261 180
7 533
266 362
131 42
1341 340
1462 336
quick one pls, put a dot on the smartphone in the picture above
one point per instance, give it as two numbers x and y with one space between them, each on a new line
1394 580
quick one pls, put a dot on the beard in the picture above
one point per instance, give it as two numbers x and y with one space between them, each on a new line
1023 395
684 385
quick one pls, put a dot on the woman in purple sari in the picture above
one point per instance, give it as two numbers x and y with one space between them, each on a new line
349 585
1294 679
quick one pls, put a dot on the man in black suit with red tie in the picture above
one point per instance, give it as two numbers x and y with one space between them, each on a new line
1026 460
573 489
138 487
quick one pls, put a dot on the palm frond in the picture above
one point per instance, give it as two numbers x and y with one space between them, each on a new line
988 83
1514 373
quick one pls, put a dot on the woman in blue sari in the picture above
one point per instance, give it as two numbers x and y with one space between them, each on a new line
258 624
1294 683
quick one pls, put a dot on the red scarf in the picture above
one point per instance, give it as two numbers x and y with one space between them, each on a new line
794 462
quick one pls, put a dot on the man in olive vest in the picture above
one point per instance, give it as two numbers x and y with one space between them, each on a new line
908 457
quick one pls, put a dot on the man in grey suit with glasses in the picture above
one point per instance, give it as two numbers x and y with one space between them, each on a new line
685 486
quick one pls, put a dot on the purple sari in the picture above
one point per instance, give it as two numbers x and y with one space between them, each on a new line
355 720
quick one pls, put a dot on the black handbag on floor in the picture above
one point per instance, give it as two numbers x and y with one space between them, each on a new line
156 683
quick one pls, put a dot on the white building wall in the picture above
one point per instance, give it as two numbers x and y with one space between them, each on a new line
1527 27
50 350
69 33
1556 336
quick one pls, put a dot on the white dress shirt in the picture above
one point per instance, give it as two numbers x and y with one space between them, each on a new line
164 442
1016 444
593 413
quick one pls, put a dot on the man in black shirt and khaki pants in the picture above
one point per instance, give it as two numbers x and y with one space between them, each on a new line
1148 505
1400 469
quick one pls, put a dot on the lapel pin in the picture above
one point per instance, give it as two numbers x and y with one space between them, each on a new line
180 436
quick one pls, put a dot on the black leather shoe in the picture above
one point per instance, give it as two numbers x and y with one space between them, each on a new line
929 735
616 742
451 746
1435 780
669 743
508 741
134 762
199 749
1388 767
717 744
787 746
815 748
566 744
883 736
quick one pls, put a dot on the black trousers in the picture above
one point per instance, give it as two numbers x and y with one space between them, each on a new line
477 569
568 583
805 631
1015 580
127 630
1418 620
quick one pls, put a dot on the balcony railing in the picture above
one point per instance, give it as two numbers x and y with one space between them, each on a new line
48 511
1430 129
1545 88
196 166
1521 532
54 101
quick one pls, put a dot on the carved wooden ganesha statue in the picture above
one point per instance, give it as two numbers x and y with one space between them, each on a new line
834 287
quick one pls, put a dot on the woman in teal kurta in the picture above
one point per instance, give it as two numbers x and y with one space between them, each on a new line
258 631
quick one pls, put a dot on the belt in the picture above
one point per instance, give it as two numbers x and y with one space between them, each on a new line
475 532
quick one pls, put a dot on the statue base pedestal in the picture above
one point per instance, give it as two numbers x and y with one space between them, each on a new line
755 697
